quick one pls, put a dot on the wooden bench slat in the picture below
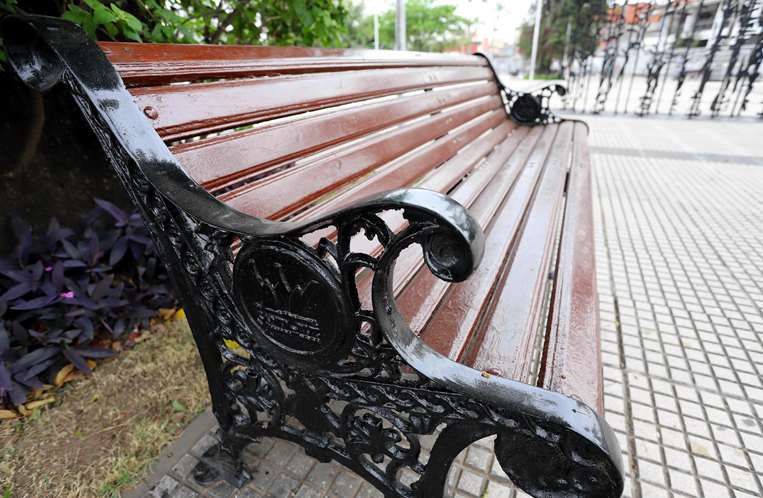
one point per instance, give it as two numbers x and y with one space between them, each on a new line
406 171
159 63
185 110
508 335
573 356
420 292
227 158
498 145
449 330
441 180
275 196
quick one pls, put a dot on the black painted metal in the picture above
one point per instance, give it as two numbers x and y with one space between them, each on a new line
635 39
310 364
683 61
530 107
749 73
745 23
726 10
614 32
659 57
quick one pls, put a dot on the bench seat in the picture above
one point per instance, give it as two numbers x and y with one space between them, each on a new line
333 127
383 179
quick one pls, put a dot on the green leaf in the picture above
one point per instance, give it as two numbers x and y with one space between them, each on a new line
128 18
102 15
157 34
36 413
178 407
111 29
131 35
80 16
8 6
89 26
94 4
305 16
76 14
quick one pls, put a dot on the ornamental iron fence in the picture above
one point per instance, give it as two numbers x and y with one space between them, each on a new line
674 57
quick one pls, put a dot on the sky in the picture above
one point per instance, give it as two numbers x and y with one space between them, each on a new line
492 21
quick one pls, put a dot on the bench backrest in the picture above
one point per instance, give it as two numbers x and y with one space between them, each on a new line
279 132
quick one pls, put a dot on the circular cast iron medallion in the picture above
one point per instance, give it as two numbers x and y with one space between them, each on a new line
293 302
526 109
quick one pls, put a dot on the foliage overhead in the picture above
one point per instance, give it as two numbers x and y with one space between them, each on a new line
66 295
253 22
582 17
430 27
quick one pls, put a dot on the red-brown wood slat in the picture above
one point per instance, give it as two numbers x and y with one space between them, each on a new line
506 338
406 171
410 170
419 292
275 196
159 63
473 176
499 140
229 157
183 110
572 357
450 328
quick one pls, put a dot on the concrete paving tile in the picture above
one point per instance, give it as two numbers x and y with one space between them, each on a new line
653 491
346 484
184 467
283 486
184 492
651 472
714 489
709 469
163 488
497 490
323 474
300 465
471 482
308 492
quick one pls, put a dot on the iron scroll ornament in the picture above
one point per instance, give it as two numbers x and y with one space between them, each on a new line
368 407
528 108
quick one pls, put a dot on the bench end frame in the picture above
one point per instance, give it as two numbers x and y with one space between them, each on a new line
357 387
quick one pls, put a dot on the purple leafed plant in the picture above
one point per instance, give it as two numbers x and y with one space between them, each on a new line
64 292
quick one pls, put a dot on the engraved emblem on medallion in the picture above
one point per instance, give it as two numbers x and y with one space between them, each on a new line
292 301
279 313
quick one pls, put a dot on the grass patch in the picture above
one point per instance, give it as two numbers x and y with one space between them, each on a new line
104 431
545 76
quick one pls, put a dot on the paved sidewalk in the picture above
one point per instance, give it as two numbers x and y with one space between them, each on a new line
680 255
679 238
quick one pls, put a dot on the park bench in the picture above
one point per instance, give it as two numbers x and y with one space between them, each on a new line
317 209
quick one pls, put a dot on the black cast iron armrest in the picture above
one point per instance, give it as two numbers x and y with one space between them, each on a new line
531 105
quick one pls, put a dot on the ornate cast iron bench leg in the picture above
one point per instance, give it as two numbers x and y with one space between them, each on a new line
310 364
